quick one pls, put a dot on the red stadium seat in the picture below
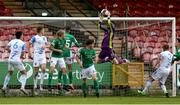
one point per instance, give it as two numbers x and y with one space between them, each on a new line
136 12
140 44
170 45
161 39
2 38
178 33
136 52
149 13
177 26
6 42
149 44
2 44
158 45
131 5
157 31
170 40
162 12
146 57
157 50
5 56
163 5
153 56
141 4
149 39
143 50
170 13
129 45
2 49
162 33
133 33
166 26
145 31
152 5
7 12
168 33
138 39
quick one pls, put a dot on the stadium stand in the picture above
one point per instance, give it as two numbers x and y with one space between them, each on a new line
15 8
143 8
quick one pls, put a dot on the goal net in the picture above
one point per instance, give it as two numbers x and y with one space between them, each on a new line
139 40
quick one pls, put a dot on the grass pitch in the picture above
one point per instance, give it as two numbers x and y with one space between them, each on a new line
89 100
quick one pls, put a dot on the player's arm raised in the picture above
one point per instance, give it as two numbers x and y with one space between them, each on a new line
100 26
110 24
76 42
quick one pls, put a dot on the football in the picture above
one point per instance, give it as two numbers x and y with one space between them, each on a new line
105 12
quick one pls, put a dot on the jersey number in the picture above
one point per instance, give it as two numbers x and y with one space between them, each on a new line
15 46
68 43
13 54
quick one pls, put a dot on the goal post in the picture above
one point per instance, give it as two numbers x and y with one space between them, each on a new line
171 19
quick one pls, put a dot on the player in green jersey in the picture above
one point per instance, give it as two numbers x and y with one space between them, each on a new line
177 55
52 38
57 46
70 39
87 55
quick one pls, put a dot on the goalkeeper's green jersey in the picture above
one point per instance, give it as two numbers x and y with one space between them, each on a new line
70 39
87 56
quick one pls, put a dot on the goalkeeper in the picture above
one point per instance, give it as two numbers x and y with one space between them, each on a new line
106 53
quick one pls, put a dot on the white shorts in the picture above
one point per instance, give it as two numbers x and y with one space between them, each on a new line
60 62
39 59
15 65
88 72
69 60
161 75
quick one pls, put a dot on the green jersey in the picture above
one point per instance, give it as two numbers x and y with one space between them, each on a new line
58 44
51 40
70 39
87 56
177 55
